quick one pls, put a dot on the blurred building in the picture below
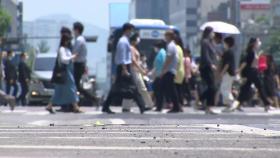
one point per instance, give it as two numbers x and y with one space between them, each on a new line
150 9
185 15
15 10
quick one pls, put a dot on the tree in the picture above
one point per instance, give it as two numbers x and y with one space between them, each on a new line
43 47
5 21
273 43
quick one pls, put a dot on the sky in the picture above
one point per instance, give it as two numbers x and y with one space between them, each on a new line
95 12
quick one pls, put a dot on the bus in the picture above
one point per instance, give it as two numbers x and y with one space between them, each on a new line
150 31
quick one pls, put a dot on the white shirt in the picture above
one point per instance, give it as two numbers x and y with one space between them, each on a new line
65 55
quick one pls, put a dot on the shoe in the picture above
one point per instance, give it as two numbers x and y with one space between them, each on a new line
210 112
126 110
108 111
174 111
78 111
235 106
50 110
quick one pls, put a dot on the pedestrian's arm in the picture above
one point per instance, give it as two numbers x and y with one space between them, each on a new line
225 69
206 54
242 66
135 62
64 58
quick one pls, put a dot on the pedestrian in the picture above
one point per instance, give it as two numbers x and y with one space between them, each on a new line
271 80
180 74
11 74
208 68
65 92
24 74
169 72
228 71
249 70
159 49
80 62
188 75
138 71
124 86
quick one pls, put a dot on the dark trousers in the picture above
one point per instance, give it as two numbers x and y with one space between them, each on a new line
253 77
121 85
79 70
170 91
9 86
24 91
187 91
180 88
209 94
158 92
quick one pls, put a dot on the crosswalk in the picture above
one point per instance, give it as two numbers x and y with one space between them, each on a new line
198 140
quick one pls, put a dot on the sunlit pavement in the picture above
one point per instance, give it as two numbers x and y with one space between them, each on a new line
31 132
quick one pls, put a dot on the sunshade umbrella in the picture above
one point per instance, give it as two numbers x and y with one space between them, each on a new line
221 27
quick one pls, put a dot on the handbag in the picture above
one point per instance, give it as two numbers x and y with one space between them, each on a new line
59 75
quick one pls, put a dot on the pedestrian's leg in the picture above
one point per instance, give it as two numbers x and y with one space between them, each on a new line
226 89
139 101
257 82
172 92
8 87
15 86
158 91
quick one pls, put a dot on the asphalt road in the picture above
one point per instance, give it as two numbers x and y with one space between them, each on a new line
33 133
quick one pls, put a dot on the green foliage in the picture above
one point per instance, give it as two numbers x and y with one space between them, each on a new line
274 42
5 21
43 47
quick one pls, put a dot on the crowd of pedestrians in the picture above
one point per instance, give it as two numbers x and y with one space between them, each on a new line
177 79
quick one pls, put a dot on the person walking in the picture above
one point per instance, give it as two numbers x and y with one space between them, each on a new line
11 74
188 75
80 62
24 78
249 70
180 74
228 72
208 68
159 49
124 86
138 71
169 72
65 92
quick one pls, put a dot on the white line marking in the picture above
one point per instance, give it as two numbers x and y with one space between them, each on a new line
108 129
246 129
40 123
142 138
117 121
57 147
119 132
